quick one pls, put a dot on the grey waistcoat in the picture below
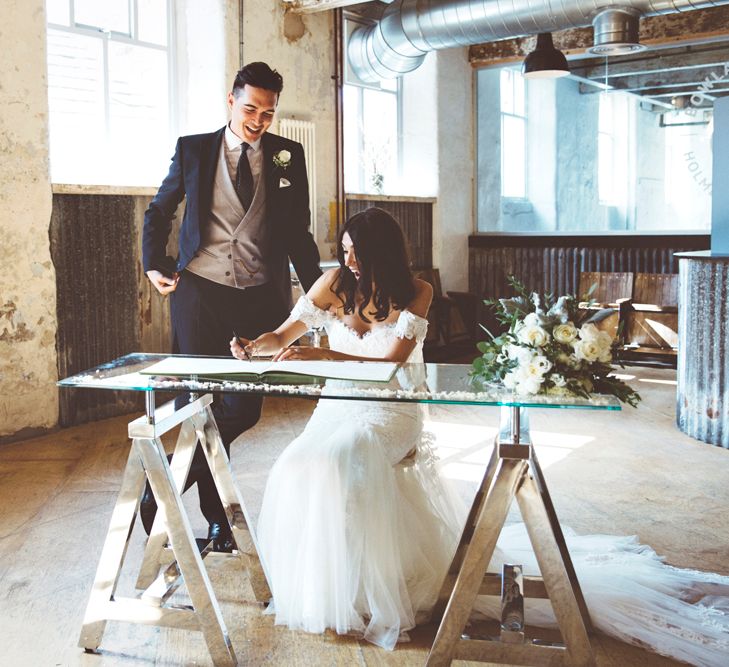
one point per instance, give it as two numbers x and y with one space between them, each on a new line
233 242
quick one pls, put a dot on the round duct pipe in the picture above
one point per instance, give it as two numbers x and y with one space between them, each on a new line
409 29
616 31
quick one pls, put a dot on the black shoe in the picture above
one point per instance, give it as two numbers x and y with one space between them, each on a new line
147 509
221 536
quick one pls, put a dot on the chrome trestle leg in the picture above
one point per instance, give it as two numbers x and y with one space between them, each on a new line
235 509
513 472
180 465
112 554
185 549
147 460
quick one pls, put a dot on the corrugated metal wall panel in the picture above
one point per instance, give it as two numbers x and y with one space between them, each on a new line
416 220
94 249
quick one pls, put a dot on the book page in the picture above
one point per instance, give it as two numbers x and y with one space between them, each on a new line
366 371
183 366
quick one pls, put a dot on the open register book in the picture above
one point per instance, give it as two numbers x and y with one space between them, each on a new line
262 371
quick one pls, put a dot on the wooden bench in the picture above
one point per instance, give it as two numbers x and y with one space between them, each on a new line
645 311
612 291
650 322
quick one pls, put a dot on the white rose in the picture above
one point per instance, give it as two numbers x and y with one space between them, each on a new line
587 350
532 335
284 156
532 320
530 386
519 353
564 333
510 381
540 364
605 341
589 331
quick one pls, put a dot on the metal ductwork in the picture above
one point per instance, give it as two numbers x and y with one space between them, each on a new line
616 31
409 29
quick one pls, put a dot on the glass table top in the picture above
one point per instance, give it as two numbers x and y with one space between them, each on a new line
413 383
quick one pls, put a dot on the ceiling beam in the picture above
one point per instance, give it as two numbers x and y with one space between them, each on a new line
313 6
698 26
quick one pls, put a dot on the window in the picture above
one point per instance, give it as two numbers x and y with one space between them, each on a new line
109 91
371 131
613 165
513 135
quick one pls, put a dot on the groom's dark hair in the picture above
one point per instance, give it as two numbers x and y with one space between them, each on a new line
385 280
258 75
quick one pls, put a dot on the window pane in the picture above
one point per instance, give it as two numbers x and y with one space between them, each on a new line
152 21
513 148
380 140
389 84
507 91
58 12
352 132
605 169
139 109
76 105
519 93
108 15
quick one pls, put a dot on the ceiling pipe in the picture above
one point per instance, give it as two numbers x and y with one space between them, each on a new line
409 29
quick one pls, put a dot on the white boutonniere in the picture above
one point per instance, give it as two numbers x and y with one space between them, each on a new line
282 159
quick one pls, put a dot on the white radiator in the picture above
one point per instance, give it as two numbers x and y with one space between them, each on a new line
304 132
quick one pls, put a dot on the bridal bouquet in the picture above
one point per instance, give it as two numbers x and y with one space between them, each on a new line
551 347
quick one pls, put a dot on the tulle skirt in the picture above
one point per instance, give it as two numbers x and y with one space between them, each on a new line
356 530
356 535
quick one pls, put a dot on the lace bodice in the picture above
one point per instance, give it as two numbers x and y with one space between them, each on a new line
374 343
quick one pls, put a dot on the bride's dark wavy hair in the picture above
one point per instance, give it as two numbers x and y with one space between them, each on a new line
384 265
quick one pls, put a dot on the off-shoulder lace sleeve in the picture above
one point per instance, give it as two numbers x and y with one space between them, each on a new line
310 314
410 325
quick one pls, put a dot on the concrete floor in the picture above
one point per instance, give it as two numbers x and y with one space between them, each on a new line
630 472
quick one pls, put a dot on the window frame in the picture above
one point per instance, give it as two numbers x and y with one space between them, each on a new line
108 36
349 80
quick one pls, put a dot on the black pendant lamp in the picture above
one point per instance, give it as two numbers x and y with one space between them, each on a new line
545 62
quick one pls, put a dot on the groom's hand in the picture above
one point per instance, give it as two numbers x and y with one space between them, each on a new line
163 284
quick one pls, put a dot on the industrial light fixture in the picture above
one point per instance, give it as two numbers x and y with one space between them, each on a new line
545 62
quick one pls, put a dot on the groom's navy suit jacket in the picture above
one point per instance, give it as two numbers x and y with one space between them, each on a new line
191 177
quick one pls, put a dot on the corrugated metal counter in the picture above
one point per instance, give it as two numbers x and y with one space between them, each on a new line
702 409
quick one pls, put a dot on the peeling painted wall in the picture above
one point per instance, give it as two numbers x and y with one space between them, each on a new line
28 397
301 48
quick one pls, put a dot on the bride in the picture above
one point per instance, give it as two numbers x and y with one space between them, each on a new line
357 529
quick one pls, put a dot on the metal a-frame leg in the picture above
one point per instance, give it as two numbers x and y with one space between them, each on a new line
201 427
147 457
513 472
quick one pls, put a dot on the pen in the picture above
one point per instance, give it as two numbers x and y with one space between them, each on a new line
237 338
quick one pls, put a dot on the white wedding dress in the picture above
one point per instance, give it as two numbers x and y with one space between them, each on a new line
356 533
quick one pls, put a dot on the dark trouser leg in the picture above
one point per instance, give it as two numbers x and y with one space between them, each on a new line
204 316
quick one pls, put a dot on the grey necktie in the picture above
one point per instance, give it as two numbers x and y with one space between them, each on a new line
244 178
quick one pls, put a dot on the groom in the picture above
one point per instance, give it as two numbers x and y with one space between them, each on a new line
246 214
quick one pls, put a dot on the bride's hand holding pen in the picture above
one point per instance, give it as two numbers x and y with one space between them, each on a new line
265 345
